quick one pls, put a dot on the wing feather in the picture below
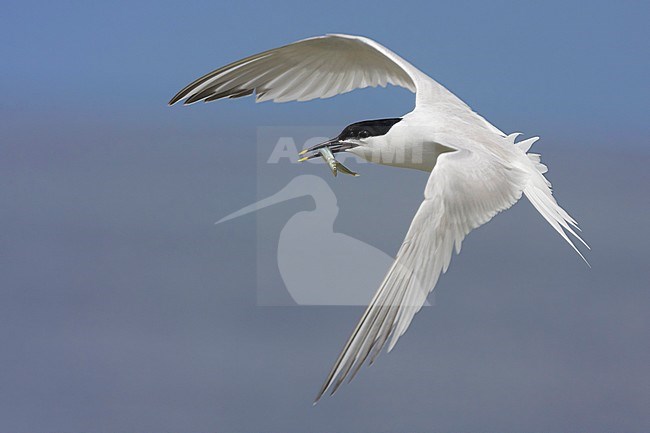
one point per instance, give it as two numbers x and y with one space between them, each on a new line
322 67
338 63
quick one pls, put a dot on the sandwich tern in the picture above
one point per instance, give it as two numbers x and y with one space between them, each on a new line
476 170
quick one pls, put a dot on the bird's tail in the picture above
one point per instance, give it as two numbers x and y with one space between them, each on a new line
539 192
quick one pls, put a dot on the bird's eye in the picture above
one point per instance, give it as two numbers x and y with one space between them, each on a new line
364 134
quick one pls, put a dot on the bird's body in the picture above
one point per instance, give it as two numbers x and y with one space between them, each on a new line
476 170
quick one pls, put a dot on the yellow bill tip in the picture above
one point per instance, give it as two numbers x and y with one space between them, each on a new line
303 159
302 152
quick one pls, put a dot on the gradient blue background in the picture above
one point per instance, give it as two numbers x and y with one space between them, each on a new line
122 308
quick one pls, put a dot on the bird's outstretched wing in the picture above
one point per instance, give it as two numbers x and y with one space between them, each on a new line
319 67
465 190
322 67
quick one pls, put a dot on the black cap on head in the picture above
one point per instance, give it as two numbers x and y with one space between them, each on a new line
368 128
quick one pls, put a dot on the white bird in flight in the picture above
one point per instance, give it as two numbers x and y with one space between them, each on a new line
476 170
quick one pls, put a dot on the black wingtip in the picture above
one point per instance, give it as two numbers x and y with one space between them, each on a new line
179 96
320 394
175 99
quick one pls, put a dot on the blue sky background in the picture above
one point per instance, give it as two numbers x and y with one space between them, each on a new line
122 307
